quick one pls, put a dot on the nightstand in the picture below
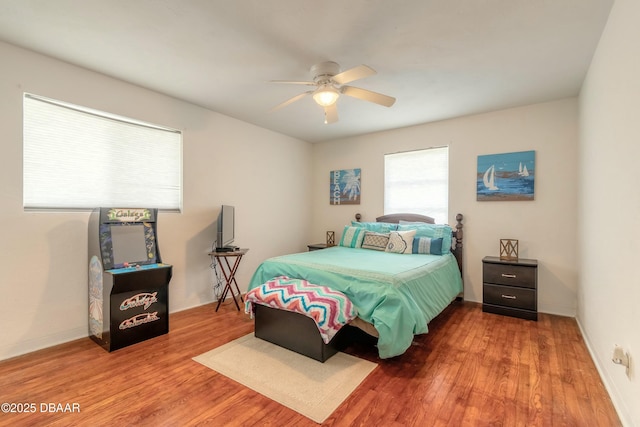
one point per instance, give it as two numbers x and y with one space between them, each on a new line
317 246
510 287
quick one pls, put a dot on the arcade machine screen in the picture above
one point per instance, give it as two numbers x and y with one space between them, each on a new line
129 244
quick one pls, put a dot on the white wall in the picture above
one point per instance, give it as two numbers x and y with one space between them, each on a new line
609 232
43 256
545 227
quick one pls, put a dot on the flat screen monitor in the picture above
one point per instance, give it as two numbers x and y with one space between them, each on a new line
129 244
226 226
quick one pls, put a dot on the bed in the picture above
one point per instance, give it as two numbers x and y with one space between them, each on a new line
396 294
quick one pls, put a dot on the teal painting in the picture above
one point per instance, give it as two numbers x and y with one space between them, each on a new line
508 176
344 187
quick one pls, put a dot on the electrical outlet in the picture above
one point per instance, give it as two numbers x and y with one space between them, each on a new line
620 357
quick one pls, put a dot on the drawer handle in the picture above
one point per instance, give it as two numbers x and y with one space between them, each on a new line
509 296
509 276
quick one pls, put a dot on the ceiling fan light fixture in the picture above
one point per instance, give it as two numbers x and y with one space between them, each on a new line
326 95
329 83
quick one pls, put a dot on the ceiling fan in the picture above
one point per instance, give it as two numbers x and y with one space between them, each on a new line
330 83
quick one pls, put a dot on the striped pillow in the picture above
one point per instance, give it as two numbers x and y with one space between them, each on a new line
352 237
426 245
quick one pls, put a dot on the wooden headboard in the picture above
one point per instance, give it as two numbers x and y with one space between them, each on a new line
456 233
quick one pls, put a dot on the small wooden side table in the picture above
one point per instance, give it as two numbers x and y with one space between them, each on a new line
317 246
229 273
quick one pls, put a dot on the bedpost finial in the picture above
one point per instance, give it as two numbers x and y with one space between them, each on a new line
358 216
458 232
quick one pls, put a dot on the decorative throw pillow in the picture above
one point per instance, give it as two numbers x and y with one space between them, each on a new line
400 242
433 231
427 245
375 241
352 237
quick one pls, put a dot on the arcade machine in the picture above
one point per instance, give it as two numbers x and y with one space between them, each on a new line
128 283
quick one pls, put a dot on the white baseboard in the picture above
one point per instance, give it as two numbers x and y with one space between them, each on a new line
31 345
608 384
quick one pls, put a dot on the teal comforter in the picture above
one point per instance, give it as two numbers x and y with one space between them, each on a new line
398 294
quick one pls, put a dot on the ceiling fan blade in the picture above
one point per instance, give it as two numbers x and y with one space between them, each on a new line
355 73
292 100
330 114
292 82
368 95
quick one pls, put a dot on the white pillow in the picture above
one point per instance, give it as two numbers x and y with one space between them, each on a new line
400 242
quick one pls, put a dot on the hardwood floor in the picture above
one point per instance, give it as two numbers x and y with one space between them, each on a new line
473 368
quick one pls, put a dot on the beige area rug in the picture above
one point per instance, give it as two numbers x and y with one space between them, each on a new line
309 387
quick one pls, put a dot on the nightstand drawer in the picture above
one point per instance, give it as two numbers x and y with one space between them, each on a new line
508 296
511 275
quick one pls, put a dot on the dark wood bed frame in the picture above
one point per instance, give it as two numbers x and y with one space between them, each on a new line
299 333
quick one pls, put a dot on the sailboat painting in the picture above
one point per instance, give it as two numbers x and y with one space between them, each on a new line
507 176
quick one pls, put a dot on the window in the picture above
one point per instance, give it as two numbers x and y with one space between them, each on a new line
78 158
418 182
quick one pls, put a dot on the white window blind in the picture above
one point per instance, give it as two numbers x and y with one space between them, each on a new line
418 182
78 158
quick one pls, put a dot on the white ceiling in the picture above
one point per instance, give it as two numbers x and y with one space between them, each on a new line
439 58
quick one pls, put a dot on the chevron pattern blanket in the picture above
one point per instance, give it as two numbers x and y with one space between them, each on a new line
330 309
